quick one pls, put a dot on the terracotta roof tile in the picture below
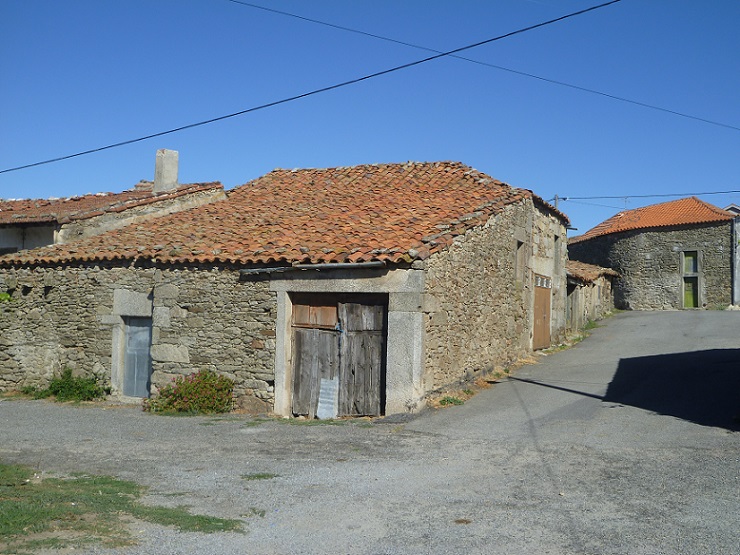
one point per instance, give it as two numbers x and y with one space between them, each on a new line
64 210
684 211
389 212
587 272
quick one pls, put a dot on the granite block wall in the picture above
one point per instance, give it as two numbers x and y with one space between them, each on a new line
479 307
203 318
649 264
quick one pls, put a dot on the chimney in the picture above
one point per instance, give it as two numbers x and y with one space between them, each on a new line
165 170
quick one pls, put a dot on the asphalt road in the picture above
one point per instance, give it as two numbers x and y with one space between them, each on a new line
626 443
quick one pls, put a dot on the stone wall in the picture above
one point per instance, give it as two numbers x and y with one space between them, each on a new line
591 300
649 264
114 219
202 319
16 238
479 303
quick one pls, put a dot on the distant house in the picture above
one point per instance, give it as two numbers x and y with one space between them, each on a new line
390 281
733 208
28 224
673 255
590 293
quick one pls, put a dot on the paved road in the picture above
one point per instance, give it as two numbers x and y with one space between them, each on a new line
624 444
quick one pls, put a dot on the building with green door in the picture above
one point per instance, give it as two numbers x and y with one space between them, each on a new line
680 254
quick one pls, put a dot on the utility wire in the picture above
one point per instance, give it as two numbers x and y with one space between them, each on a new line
315 91
651 196
591 203
502 68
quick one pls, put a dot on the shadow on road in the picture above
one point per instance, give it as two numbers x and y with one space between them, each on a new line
700 386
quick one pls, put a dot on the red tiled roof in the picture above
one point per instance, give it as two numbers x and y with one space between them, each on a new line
587 272
35 211
684 211
387 212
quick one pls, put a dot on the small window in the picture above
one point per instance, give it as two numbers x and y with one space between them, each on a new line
690 262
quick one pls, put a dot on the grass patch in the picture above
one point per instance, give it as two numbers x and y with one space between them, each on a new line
38 513
259 476
447 401
253 511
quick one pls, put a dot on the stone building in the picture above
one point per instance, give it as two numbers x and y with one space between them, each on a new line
590 293
33 223
673 255
382 283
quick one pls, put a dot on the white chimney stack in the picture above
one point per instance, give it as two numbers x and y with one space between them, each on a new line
165 170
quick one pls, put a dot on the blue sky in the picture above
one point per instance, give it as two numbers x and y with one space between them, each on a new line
82 74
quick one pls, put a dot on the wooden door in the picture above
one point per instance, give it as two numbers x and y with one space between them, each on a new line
542 295
316 356
335 337
362 353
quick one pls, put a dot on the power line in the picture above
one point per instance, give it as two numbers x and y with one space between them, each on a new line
494 66
592 203
315 91
652 196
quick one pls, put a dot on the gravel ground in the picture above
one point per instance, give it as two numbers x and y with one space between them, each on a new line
626 443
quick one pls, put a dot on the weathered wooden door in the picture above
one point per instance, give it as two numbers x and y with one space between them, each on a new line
137 366
344 340
361 359
542 295
316 353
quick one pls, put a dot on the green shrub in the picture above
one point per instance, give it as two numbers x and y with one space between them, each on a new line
204 392
5 298
35 392
447 401
75 388
67 387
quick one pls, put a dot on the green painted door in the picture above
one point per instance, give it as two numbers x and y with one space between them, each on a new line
691 292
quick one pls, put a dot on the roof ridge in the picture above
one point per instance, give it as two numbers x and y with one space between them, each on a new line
684 211
352 214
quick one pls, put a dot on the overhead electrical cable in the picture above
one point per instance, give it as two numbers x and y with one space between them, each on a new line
651 196
494 66
591 203
315 91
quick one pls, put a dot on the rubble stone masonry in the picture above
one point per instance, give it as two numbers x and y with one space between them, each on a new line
649 264
479 305
203 318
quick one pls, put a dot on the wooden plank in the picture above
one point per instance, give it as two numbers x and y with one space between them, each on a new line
361 359
324 317
315 356
361 317
373 317
301 315
302 370
327 363
374 354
